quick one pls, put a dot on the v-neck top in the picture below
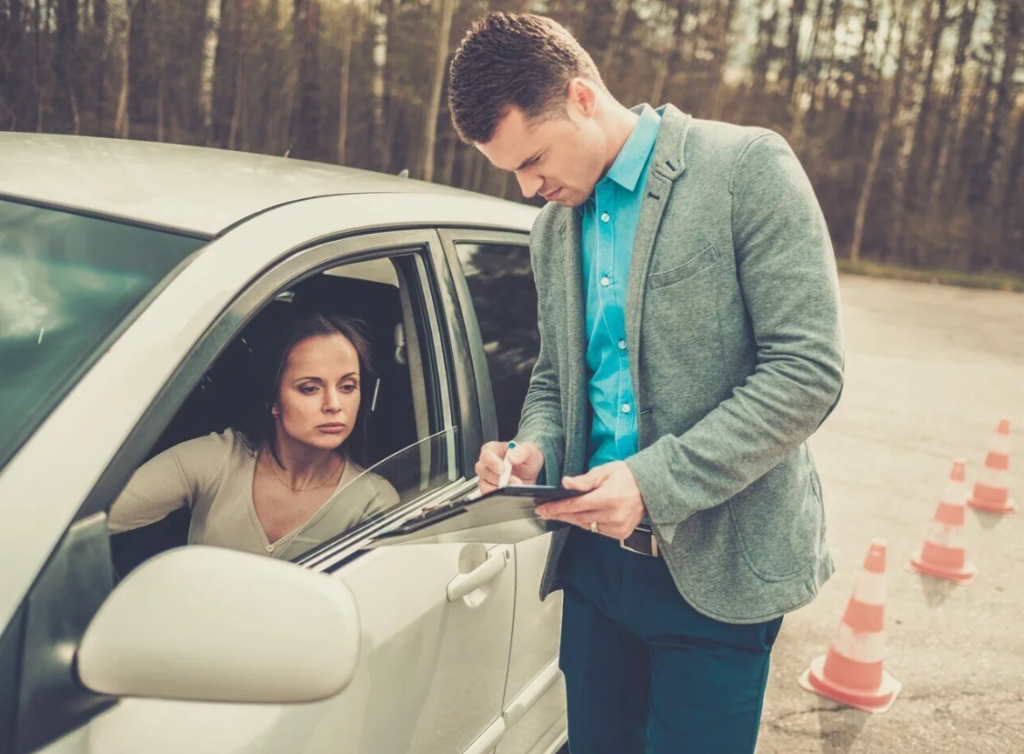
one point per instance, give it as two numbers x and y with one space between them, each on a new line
213 476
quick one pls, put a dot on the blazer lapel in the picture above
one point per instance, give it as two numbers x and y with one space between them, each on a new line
575 359
666 166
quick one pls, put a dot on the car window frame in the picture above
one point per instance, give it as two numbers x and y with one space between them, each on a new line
301 264
450 238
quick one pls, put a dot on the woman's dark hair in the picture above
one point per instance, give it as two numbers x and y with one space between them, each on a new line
511 60
258 426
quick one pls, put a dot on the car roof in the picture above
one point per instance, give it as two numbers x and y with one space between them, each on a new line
192 189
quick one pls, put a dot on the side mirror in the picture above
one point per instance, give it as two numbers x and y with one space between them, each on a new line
209 624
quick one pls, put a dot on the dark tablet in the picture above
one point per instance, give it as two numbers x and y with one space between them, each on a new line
539 493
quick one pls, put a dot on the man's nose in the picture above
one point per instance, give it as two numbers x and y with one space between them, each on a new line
529 185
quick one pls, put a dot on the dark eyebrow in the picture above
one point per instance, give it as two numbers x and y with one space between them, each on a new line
317 379
527 161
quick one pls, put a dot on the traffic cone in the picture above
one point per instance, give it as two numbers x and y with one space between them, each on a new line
992 492
943 554
853 672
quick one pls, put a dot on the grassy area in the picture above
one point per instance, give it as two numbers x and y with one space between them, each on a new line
939 277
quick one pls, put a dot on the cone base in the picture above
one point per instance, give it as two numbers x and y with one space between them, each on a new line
963 575
877 702
1001 510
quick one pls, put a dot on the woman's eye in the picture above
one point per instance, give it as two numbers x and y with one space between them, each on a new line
349 388
307 389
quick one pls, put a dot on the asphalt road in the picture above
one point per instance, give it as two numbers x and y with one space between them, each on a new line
930 371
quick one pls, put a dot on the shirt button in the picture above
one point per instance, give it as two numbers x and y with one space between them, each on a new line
625 408
622 345
605 217
606 281
270 548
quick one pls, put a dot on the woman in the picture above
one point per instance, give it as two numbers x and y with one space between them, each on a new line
272 485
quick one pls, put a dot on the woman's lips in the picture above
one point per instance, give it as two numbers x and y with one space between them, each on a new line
332 429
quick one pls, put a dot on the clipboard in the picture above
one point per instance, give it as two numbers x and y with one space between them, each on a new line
503 516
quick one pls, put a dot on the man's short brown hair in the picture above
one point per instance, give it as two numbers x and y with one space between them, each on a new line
513 60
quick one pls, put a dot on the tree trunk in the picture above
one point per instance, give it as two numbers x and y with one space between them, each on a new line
1004 98
905 121
65 76
440 59
211 43
886 118
1013 175
448 166
615 38
822 97
122 125
860 66
765 44
792 66
945 141
347 34
917 151
722 48
381 142
666 69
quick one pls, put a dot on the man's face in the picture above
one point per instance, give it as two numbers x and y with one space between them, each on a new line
560 158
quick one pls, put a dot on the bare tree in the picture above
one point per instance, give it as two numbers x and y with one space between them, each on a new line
347 33
440 66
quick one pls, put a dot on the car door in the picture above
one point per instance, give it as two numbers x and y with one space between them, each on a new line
437 618
499 305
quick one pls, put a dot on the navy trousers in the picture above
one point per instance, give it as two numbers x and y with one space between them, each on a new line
645 672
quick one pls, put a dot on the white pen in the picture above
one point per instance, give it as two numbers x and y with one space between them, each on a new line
506 469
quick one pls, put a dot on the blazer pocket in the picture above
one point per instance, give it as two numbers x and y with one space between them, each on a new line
708 256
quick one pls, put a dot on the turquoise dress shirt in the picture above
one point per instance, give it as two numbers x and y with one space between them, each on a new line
609 220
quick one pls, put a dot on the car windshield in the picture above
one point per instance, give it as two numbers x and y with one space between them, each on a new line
67 282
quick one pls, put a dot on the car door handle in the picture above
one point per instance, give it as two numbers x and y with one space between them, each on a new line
465 583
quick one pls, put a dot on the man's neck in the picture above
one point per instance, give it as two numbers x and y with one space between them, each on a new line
621 122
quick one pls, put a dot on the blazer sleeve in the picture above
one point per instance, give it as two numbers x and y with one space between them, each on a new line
541 420
176 478
787 275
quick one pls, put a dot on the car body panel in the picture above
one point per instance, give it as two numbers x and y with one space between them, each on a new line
433 674
190 189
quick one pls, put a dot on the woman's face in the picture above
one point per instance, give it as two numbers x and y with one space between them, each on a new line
318 397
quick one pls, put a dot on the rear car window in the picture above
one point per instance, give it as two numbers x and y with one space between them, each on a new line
68 282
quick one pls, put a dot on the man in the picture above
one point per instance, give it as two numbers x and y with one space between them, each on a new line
690 344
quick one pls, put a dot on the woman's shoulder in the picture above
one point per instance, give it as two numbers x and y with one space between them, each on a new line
378 486
216 450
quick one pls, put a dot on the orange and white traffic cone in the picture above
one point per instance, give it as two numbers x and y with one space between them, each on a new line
992 491
943 554
853 672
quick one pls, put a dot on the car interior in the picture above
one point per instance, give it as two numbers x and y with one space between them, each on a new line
369 290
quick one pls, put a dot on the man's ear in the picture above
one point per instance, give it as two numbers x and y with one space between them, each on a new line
582 97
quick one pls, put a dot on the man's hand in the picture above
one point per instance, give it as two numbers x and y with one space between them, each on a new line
527 463
612 500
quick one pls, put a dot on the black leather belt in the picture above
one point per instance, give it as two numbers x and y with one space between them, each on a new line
642 541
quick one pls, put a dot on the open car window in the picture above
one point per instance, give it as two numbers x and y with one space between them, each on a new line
383 489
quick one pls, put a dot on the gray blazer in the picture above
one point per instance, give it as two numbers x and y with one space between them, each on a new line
736 356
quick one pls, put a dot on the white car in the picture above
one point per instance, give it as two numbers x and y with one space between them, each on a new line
133 278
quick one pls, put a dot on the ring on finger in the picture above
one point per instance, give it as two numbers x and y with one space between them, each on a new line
593 527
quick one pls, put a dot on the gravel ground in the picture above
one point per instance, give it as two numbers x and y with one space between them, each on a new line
930 371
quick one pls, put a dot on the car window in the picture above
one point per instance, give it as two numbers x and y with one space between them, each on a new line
403 447
66 283
501 284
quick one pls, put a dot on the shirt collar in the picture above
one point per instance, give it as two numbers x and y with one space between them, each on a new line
629 165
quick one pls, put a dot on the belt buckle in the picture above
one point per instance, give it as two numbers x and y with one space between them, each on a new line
654 545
